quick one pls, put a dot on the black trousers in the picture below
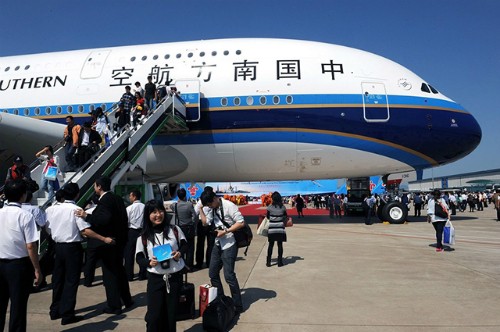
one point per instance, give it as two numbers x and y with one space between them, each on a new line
439 227
189 233
90 264
16 280
162 306
113 275
203 233
129 255
65 279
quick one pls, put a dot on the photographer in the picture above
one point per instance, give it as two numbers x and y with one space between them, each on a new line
165 277
224 218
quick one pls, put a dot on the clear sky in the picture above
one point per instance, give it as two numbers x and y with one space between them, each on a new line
452 44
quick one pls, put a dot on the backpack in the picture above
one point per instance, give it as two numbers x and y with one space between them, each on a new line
219 314
242 236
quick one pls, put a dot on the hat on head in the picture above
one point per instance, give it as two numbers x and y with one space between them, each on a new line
87 124
18 159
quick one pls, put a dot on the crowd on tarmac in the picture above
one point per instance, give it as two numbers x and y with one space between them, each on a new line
119 237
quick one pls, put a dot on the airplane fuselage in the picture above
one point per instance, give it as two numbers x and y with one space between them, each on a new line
270 109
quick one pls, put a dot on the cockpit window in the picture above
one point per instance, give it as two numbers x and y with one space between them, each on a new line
433 90
425 88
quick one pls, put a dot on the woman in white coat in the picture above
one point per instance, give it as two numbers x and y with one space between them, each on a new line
438 213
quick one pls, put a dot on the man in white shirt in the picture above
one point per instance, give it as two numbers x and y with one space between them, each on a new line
224 218
18 257
202 233
135 212
37 213
66 230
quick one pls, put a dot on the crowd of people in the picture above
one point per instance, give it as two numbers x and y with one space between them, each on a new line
120 237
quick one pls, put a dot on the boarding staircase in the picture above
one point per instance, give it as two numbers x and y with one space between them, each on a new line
125 148
120 156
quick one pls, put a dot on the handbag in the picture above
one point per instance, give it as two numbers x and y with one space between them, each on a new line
289 222
439 210
263 228
449 233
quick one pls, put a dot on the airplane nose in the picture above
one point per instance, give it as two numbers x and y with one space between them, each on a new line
460 135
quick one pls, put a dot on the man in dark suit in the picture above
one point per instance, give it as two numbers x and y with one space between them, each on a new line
88 143
109 219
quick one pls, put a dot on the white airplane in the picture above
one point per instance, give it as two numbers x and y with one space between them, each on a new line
258 109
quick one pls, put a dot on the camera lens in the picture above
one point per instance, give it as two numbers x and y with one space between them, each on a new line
165 264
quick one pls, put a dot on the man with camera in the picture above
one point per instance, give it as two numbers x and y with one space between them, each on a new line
224 218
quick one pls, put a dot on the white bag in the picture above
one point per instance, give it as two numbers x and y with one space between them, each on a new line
264 227
449 233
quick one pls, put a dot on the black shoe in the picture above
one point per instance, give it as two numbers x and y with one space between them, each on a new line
238 310
110 311
55 316
141 278
71 320
129 304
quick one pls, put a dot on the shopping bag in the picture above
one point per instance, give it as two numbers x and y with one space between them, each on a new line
264 227
449 233
51 173
207 294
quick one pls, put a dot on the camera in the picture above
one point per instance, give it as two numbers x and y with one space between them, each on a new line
165 264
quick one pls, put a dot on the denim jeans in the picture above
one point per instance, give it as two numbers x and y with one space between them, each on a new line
225 259
49 185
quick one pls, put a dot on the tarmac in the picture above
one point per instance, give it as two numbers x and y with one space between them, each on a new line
339 275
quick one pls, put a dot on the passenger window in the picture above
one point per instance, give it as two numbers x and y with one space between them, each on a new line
276 100
237 101
223 101
155 57
214 53
249 100
132 59
27 67
289 99
37 111
178 56
425 88
167 56
48 110
80 108
238 52
144 58
26 111
202 54
263 100
190 55
59 109
226 52
16 111
70 109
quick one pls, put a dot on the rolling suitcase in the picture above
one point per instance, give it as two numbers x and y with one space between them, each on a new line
185 307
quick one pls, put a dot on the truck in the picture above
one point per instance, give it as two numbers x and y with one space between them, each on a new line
357 189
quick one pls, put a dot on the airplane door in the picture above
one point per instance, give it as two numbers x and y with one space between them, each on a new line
190 92
94 64
375 105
